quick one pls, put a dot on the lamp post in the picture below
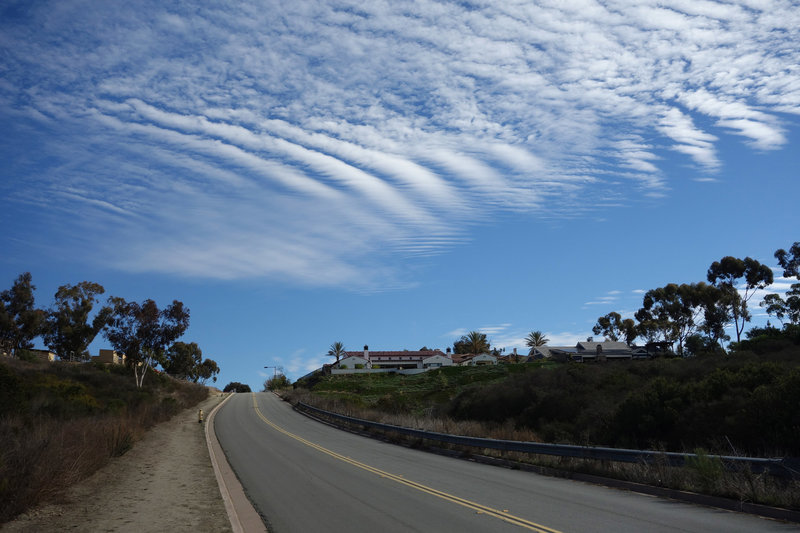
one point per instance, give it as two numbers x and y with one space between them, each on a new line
275 375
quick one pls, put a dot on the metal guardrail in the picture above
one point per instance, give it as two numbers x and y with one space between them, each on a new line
779 467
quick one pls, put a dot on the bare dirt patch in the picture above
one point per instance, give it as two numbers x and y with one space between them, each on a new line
165 483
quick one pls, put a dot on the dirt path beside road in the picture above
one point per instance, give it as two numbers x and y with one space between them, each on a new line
165 483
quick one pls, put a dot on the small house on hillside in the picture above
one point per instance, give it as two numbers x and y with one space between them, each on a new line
603 351
545 352
554 353
42 355
352 361
462 359
110 357
640 352
585 351
483 359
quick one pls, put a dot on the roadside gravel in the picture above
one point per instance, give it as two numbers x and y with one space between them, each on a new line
164 483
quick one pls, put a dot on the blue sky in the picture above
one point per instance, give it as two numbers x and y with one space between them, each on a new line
392 173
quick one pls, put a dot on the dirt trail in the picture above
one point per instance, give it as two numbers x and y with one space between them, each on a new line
165 483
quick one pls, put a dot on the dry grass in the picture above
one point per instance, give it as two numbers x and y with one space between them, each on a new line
426 422
50 440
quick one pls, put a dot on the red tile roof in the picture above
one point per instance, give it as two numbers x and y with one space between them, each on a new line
401 354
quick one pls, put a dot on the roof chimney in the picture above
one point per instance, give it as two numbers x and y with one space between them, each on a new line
366 352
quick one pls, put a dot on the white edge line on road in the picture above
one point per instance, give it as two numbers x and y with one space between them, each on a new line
243 505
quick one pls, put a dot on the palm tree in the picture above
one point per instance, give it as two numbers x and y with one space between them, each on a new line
534 340
477 343
337 350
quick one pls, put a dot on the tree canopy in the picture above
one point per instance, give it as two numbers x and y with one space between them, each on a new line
673 312
277 382
789 261
20 321
206 370
185 361
700 313
68 329
235 386
788 308
142 332
726 273
613 327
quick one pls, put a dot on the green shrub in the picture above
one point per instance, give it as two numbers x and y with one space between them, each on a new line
235 386
707 471
12 398
170 406
27 356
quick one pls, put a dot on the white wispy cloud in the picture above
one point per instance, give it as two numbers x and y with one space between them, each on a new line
609 298
312 141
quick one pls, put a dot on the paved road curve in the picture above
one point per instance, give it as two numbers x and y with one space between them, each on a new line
307 477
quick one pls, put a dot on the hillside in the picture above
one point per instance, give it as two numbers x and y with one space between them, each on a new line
734 404
60 422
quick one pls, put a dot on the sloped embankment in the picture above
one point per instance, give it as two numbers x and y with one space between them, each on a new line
60 422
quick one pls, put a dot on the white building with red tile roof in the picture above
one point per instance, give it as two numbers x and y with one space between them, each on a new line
401 360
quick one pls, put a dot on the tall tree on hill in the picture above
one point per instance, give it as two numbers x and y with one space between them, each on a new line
68 331
235 386
185 361
717 315
534 340
336 350
790 261
20 321
726 273
142 331
673 312
614 328
473 342
206 370
790 307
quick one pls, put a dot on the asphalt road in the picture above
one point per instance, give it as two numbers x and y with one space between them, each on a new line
305 476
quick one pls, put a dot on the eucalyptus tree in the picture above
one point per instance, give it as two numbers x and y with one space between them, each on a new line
181 359
206 370
788 308
784 309
185 361
336 350
790 261
142 332
717 315
613 327
672 313
726 273
20 321
534 340
68 328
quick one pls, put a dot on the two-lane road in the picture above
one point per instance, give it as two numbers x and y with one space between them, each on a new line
305 476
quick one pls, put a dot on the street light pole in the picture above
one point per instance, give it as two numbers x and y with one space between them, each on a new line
275 375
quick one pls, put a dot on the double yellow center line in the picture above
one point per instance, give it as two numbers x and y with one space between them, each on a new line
482 509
